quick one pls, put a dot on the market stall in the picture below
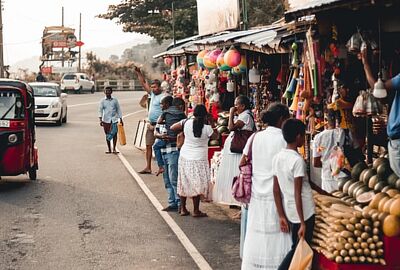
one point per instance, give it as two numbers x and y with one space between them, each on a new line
359 227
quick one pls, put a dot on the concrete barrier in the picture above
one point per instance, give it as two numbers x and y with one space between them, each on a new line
119 85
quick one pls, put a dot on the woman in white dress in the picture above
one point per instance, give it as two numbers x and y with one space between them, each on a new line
193 168
240 118
265 245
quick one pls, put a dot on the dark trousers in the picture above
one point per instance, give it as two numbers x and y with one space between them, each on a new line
294 229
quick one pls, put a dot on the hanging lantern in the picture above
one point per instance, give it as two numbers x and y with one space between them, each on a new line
168 61
243 64
379 89
200 57
254 75
232 57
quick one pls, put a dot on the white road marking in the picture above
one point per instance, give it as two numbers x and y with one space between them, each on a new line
91 103
130 114
190 248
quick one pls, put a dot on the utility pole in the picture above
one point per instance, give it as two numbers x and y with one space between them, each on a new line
62 24
245 15
80 39
1 41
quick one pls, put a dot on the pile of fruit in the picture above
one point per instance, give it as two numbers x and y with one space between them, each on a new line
376 192
222 128
345 235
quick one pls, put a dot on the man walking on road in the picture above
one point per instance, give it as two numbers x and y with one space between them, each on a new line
109 114
155 92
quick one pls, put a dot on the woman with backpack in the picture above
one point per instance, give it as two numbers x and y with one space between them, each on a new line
265 245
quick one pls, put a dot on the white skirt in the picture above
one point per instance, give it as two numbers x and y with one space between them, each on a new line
193 177
265 245
228 169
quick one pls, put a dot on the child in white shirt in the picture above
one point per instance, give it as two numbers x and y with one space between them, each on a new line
290 179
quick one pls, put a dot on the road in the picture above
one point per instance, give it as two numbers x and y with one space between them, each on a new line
87 210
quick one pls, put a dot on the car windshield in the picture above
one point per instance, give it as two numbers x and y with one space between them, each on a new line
69 77
45 91
11 105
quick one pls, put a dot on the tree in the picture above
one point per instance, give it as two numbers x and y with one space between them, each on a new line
264 12
154 17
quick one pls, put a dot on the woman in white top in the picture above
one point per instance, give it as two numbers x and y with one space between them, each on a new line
229 167
193 168
265 245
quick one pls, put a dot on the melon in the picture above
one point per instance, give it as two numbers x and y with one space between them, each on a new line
361 190
353 186
382 203
222 129
357 170
386 207
392 179
373 181
363 174
384 170
377 198
368 175
341 183
397 185
386 188
347 185
395 207
365 197
379 161
214 143
382 216
392 192
391 226
379 186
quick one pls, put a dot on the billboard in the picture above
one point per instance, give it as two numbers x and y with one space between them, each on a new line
217 15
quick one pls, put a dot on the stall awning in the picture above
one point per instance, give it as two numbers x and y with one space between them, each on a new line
179 50
315 6
226 38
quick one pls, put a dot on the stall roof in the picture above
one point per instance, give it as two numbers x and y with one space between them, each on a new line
315 6
187 47
226 37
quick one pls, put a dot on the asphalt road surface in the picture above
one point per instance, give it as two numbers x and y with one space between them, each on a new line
87 210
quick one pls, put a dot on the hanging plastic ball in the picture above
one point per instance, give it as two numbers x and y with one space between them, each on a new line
232 57
168 61
243 64
200 57
236 70
210 59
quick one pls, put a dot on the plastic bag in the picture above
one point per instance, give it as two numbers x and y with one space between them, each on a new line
302 258
337 160
121 134
360 106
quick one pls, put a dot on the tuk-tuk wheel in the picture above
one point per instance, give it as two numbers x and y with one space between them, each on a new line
32 173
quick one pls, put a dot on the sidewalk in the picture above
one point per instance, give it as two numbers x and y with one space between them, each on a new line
216 237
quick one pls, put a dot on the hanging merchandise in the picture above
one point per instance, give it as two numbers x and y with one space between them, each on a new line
243 64
360 106
232 57
168 61
200 57
254 75
221 62
210 59
230 86
236 70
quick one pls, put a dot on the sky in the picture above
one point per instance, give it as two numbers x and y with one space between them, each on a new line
24 21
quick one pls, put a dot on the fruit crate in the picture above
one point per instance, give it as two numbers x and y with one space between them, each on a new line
392 258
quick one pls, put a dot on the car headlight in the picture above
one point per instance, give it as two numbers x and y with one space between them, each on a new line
12 138
55 105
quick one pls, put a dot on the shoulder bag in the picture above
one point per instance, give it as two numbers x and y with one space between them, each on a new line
240 138
241 186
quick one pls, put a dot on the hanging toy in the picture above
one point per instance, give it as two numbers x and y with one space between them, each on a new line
295 59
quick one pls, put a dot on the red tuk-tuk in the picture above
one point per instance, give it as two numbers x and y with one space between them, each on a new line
18 154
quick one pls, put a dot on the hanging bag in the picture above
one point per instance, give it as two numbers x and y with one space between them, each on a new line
121 134
241 186
302 258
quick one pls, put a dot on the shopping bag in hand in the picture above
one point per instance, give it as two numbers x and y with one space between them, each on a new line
302 258
121 134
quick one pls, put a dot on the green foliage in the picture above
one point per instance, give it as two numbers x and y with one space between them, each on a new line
264 12
154 17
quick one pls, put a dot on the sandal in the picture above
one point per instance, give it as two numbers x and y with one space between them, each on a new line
200 214
184 213
144 172
108 152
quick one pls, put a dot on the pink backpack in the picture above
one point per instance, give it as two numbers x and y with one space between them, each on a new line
241 186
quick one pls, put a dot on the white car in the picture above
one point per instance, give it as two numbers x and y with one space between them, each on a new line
77 82
50 103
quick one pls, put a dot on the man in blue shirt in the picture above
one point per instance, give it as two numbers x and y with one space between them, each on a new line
109 114
393 125
156 95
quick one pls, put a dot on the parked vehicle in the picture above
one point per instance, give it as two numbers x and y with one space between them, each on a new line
18 154
50 103
77 83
